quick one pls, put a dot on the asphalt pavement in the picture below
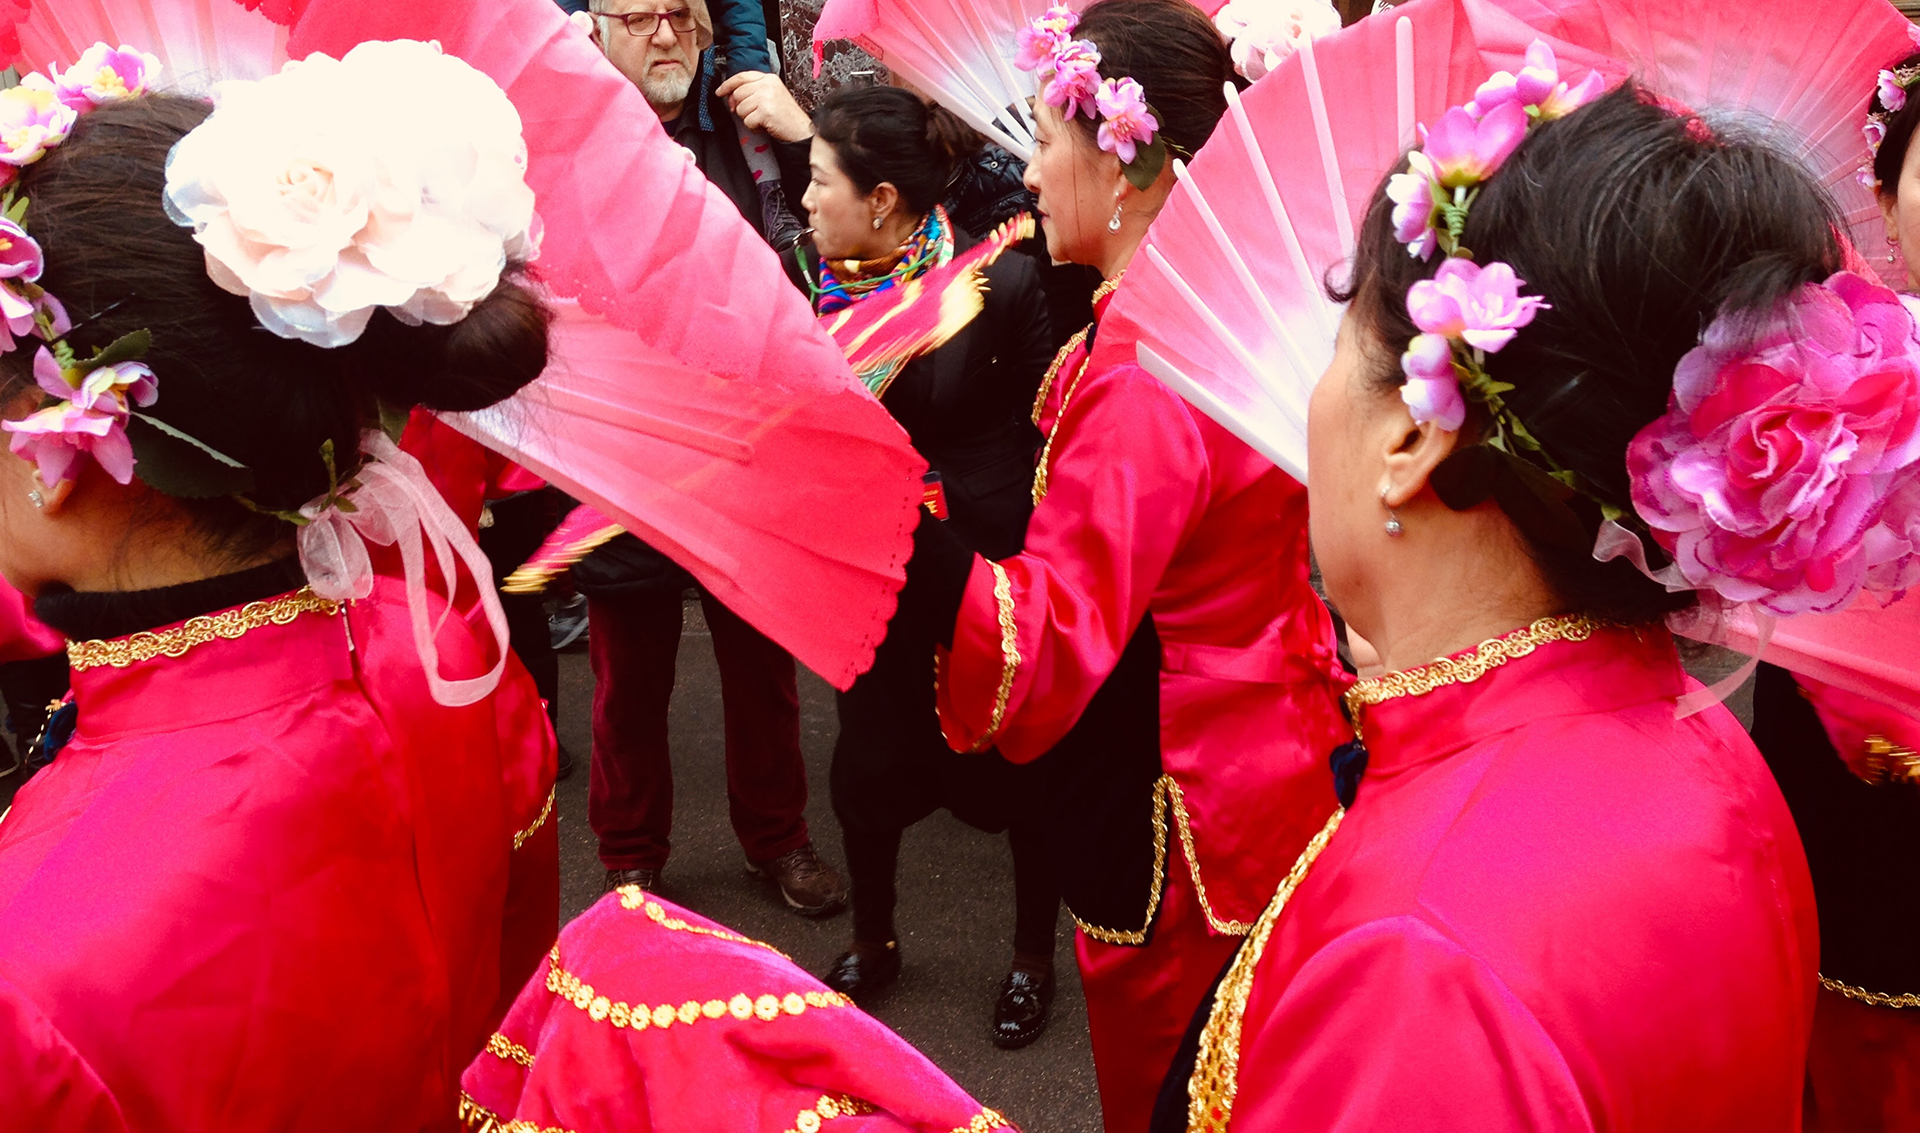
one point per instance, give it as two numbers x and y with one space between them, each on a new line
955 916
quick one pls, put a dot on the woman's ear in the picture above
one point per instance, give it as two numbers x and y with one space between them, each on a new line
884 200
1410 453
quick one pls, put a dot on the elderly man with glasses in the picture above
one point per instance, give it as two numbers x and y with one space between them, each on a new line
633 591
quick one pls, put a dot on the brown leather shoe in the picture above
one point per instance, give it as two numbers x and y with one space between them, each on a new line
810 886
644 878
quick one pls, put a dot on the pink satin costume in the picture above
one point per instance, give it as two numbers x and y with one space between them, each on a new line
1147 506
270 884
648 1018
1552 906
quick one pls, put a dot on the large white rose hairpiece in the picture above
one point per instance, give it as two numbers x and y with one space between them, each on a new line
394 176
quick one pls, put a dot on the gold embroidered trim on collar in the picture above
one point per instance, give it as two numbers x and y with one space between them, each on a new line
828 1108
479 1119
228 625
1216 1070
634 897
1471 666
1108 287
1872 998
500 1046
602 1009
1009 657
1139 936
1060 357
540 820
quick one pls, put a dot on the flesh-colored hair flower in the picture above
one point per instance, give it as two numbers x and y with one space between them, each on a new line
392 177
32 121
1262 33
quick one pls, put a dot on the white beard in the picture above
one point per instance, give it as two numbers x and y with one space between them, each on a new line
665 91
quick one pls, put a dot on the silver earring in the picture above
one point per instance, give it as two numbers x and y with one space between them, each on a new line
1893 242
1394 527
38 499
876 224
1114 224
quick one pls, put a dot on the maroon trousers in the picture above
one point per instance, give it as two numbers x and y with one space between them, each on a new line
633 642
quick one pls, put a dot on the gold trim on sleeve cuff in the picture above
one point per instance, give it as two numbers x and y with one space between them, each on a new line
1009 657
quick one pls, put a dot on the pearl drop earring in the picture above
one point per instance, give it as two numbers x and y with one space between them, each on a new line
1893 242
1395 528
876 224
1114 224
38 499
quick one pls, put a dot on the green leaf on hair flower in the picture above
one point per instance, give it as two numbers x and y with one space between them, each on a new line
130 346
175 464
14 209
1146 165
180 436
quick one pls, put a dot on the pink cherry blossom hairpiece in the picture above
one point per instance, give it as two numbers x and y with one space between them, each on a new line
1890 90
1128 128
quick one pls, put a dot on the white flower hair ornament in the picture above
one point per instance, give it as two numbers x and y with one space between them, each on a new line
1262 33
394 176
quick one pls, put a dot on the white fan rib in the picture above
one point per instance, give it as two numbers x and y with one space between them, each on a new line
1403 79
1226 415
1263 173
1323 132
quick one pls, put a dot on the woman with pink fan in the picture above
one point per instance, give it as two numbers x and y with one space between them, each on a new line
1157 641
1602 365
294 851
1847 765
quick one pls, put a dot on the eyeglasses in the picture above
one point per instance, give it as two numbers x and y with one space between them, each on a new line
647 23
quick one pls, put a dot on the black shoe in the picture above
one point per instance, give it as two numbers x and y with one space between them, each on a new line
568 624
861 977
644 878
1021 1014
566 763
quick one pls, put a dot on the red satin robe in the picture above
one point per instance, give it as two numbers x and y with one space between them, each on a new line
1150 506
648 1018
1552 906
270 884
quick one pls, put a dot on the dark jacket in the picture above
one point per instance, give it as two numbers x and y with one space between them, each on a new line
967 407
625 565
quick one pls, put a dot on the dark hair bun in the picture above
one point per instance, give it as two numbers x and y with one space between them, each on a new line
885 135
119 264
479 361
1177 56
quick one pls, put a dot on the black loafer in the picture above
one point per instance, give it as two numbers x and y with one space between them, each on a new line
1021 1014
644 878
860 977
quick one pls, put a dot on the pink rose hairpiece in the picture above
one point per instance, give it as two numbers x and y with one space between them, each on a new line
1890 90
1128 127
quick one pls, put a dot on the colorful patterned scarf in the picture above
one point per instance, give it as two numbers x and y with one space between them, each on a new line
844 282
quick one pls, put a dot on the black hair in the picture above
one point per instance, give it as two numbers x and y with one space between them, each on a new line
1900 124
119 264
1176 55
885 134
1639 225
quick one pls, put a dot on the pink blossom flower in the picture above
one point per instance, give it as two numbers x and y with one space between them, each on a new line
57 437
1123 105
1893 96
1537 85
1564 100
104 74
1431 390
1040 40
1414 203
1876 132
1499 88
1481 306
1771 477
1537 78
1466 152
1076 79
32 121
103 388
20 256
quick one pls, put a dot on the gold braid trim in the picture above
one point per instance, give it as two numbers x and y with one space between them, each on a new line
1889 762
1216 1070
227 625
1465 668
1046 450
476 1118
540 820
1179 801
638 1016
826 1109
500 1046
1871 998
634 897
1060 357
1009 657
985 1121
1139 936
